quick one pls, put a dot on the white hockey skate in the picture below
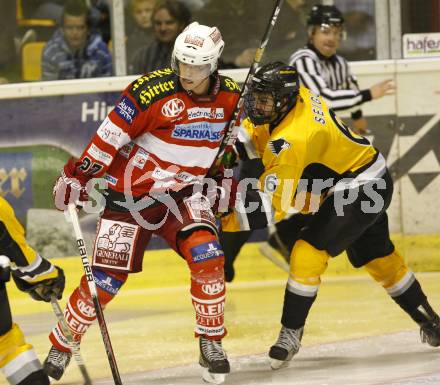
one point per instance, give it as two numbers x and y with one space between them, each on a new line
56 363
213 360
287 345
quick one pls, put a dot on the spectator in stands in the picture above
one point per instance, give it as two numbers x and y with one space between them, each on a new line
290 31
73 52
140 28
99 16
242 24
169 19
43 9
8 27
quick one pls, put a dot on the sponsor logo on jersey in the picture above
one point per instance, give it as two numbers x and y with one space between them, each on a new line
278 145
140 158
107 283
213 288
111 134
126 109
111 179
187 177
151 92
199 131
172 108
206 251
85 309
96 153
206 113
209 310
160 173
231 85
125 150
114 245
152 75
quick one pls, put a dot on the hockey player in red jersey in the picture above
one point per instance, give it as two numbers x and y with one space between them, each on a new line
153 147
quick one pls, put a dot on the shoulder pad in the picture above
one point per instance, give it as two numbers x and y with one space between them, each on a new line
227 84
154 86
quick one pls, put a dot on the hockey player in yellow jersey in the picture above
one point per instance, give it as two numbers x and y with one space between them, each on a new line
308 152
33 274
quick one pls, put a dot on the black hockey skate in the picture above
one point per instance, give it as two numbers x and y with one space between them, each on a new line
430 332
287 345
213 359
56 363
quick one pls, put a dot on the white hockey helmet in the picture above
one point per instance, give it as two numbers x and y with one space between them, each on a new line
198 45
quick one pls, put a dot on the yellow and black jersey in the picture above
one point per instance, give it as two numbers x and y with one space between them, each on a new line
311 143
26 263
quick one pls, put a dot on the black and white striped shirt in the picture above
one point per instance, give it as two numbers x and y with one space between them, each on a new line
330 78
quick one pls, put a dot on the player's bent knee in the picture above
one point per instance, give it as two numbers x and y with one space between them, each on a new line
201 247
388 270
107 282
307 263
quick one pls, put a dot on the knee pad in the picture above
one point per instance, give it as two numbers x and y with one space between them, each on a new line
108 283
391 272
201 249
307 263
306 266
18 359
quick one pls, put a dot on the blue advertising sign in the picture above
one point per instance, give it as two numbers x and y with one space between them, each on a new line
67 122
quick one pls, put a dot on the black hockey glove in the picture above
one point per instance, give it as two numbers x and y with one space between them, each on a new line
43 290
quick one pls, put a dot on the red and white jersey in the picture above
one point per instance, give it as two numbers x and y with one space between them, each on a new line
159 136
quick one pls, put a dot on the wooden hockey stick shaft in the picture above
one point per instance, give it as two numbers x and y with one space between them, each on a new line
231 131
73 346
93 291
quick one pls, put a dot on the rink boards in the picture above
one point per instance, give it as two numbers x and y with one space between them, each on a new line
45 122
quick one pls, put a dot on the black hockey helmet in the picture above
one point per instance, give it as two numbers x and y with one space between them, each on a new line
325 14
282 82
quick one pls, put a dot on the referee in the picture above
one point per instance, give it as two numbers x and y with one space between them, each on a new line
328 74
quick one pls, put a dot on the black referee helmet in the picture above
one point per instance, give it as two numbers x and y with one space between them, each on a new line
325 14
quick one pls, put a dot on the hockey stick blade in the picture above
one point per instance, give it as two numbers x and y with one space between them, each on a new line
274 256
73 346
93 291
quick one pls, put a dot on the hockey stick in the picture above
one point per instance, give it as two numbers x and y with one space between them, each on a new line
93 291
230 136
73 346
270 253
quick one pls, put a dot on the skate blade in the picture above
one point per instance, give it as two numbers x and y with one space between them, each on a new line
277 364
213 378
272 255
